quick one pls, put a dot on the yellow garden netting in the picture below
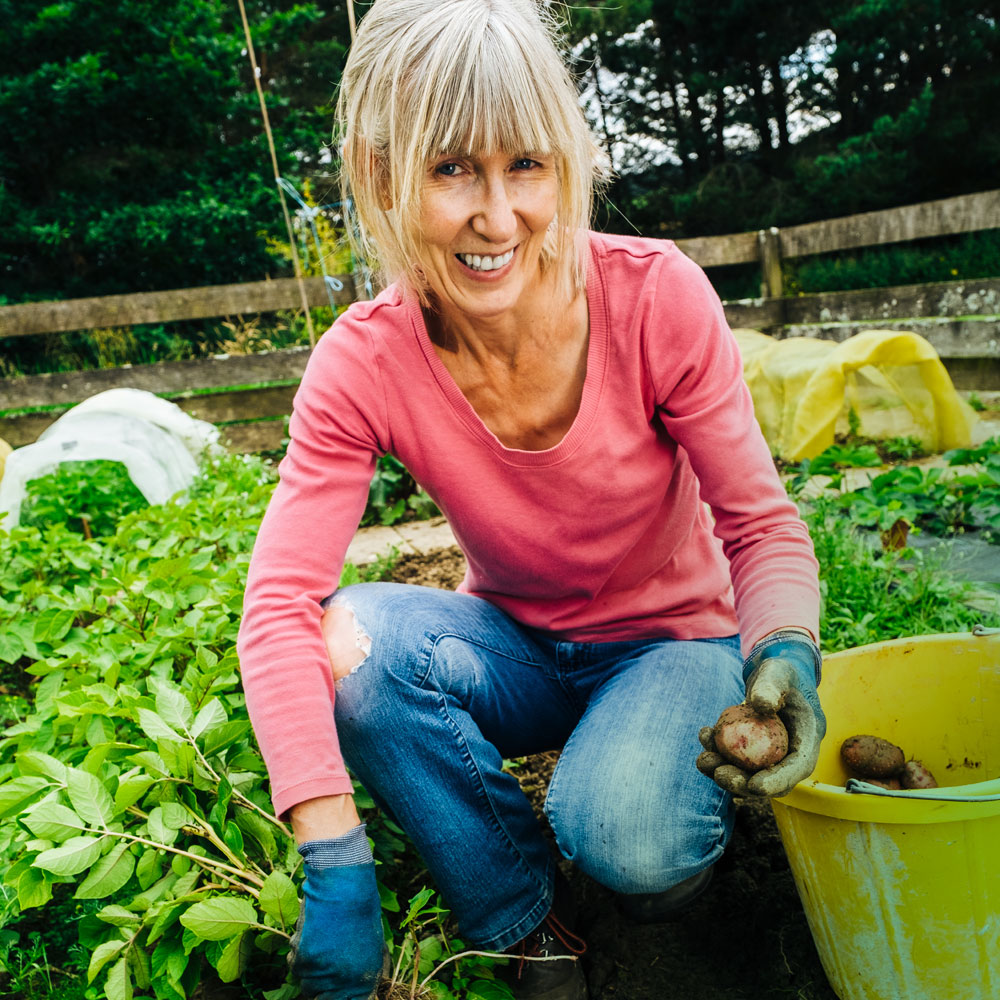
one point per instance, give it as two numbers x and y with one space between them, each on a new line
803 390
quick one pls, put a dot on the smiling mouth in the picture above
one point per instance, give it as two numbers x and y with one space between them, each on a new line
480 262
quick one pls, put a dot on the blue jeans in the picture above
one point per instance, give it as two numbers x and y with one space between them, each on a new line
450 686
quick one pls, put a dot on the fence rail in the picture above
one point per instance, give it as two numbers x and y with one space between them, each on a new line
944 217
167 307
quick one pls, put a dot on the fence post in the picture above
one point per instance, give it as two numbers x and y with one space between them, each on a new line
769 241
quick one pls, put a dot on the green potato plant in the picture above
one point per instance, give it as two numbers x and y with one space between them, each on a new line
129 775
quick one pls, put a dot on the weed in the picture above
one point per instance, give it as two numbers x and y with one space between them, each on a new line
870 595
394 496
901 448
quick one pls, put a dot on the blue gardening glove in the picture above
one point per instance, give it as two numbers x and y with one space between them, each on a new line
338 949
781 675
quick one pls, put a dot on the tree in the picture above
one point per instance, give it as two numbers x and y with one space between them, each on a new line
134 155
739 116
917 83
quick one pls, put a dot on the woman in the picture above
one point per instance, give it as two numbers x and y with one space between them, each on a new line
574 404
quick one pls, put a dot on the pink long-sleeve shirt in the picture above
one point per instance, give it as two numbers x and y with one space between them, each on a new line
659 514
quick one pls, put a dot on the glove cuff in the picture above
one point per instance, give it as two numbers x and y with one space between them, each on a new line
786 643
350 849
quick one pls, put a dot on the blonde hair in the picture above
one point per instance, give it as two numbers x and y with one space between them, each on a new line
432 77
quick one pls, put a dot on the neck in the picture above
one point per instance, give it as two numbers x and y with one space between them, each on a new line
536 319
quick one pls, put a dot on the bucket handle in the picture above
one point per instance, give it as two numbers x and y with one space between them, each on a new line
857 786
980 629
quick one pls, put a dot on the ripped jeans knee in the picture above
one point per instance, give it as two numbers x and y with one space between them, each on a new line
348 645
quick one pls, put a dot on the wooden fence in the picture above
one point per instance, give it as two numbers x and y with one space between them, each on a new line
961 319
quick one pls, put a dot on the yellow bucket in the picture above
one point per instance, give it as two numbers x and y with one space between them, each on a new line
902 891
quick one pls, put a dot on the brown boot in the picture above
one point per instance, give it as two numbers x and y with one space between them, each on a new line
560 977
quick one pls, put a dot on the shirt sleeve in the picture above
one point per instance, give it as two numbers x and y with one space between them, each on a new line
296 563
705 406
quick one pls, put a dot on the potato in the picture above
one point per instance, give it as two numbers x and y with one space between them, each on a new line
871 757
915 775
749 740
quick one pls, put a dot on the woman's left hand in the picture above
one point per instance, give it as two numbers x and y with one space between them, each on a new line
781 672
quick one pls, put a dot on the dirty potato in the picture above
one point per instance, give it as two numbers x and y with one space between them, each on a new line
871 757
749 740
915 775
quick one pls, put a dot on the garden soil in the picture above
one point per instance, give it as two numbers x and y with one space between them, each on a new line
745 938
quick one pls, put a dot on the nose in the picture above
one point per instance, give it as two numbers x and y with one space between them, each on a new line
495 218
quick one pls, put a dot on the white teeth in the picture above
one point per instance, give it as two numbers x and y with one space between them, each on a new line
478 263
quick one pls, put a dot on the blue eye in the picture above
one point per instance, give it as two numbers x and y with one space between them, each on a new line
447 169
524 163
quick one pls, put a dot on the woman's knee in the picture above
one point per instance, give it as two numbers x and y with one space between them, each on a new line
632 854
368 623
387 643
367 669
348 645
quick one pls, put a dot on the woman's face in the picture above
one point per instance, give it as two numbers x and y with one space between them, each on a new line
483 222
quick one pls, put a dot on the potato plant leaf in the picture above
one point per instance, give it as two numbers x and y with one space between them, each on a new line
138 962
18 792
219 918
233 957
217 740
148 869
11 647
109 874
52 624
119 983
33 889
74 856
103 954
157 828
172 706
52 821
118 916
131 789
211 714
42 764
89 798
279 899
156 728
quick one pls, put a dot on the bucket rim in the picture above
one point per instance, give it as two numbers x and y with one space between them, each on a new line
838 803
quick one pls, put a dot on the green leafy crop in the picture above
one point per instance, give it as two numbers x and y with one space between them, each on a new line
130 781
89 497
133 777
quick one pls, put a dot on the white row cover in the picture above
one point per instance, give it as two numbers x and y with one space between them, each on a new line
158 443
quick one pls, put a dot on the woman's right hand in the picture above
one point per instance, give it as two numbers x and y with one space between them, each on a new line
338 949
